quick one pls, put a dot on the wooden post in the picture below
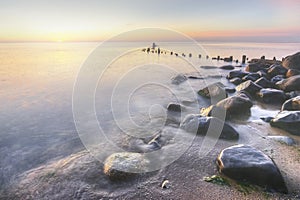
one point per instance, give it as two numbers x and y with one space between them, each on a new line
244 59
218 58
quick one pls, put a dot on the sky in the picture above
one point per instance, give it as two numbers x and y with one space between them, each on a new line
97 20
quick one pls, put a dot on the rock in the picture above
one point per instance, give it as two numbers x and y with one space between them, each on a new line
292 72
262 73
180 78
235 105
208 67
277 78
289 84
251 76
230 90
236 74
213 111
275 70
249 86
165 184
236 81
264 83
245 163
174 107
215 90
227 67
119 166
283 139
200 124
292 61
288 121
255 67
292 104
266 119
271 96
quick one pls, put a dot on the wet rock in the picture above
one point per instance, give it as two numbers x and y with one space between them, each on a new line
174 107
180 78
230 90
271 96
289 84
276 69
264 83
283 139
227 67
249 86
251 76
266 119
245 163
200 124
255 67
277 78
215 90
235 105
214 111
262 73
208 67
292 72
288 121
236 74
292 104
119 166
292 61
236 81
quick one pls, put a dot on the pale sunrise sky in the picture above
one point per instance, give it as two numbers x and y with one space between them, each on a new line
96 20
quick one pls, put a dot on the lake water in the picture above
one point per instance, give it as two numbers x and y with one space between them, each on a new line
37 81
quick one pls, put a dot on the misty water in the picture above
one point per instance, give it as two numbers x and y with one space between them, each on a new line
37 81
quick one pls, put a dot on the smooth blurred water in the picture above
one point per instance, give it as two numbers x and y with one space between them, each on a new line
36 93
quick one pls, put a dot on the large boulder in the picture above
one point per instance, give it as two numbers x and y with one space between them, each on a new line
119 166
236 81
275 70
200 125
236 74
245 163
248 86
235 105
277 78
292 72
292 104
292 61
215 90
255 67
288 121
289 84
251 76
264 83
271 96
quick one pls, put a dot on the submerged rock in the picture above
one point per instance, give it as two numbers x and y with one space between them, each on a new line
245 163
119 166
283 139
292 104
288 121
180 78
215 90
292 61
174 107
249 86
200 125
271 96
227 67
289 84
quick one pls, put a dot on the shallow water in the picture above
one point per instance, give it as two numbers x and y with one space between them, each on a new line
37 81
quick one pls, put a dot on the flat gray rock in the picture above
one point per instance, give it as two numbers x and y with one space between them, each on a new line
288 121
245 163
